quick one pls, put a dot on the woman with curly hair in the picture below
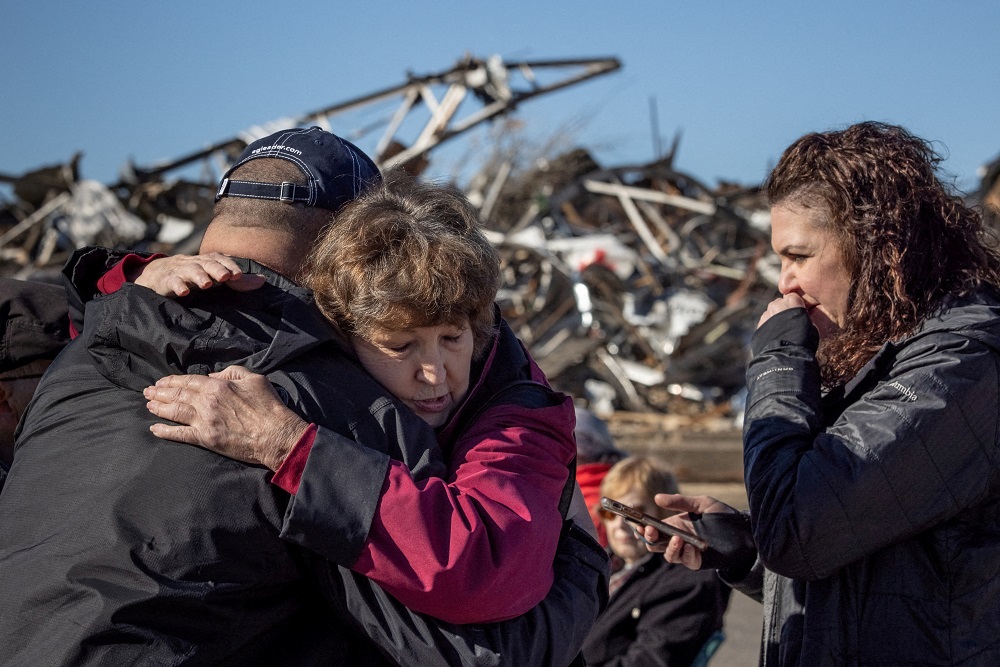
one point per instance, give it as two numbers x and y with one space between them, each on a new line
872 430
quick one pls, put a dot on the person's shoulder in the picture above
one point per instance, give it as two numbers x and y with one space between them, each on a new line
664 581
978 310
964 338
967 323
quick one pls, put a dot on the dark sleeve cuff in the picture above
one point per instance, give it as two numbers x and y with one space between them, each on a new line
289 473
336 498
730 543
789 327
80 276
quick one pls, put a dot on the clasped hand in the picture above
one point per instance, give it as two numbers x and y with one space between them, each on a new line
174 276
235 413
783 302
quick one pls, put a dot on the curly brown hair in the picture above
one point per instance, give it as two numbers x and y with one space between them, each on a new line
908 238
406 254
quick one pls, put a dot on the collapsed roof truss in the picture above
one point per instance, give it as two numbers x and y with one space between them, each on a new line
437 106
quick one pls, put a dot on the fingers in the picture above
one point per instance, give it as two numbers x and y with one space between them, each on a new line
177 397
793 300
651 537
195 411
246 283
218 381
236 413
784 302
212 268
165 284
694 504
231 386
194 382
203 382
174 276
773 309
679 551
234 372
171 409
678 502
184 434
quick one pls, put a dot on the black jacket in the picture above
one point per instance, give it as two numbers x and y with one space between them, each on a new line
119 548
876 508
662 615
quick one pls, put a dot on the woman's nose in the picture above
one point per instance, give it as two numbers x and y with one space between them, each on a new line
432 370
786 281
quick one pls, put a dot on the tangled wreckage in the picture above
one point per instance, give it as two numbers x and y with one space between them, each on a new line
635 287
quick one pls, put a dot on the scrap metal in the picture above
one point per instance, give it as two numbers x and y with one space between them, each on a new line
636 287
175 197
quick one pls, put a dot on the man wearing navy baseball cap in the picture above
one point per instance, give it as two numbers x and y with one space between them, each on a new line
118 548
336 170
270 206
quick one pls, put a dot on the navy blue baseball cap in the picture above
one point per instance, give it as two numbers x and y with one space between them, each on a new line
336 170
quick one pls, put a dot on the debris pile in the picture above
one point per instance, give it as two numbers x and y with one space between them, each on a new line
636 288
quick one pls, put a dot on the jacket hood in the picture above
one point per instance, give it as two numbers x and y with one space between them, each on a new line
976 315
135 336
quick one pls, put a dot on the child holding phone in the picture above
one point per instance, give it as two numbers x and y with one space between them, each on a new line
658 613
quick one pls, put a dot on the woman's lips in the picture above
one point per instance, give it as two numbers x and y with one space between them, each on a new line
439 404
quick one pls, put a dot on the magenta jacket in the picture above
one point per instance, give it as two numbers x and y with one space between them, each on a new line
496 508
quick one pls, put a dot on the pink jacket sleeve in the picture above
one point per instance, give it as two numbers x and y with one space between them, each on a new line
118 274
478 546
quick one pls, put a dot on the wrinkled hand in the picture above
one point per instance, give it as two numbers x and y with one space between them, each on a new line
174 276
677 550
785 302
235 413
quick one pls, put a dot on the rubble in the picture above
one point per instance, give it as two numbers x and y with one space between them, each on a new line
635 287
175 196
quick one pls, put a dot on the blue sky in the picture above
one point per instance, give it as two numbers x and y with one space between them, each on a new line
739 80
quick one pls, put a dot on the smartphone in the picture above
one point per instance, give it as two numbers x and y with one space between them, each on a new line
635 516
